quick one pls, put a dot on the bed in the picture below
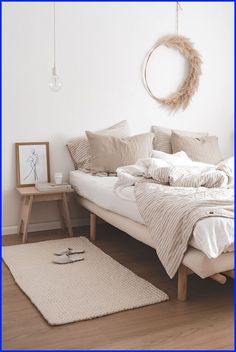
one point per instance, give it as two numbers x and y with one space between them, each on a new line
97 195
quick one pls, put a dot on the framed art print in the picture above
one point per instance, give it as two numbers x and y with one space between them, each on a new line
32 163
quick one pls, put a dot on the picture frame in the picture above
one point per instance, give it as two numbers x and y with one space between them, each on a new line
32 163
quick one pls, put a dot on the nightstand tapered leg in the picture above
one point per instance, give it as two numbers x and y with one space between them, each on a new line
60 209
67 214
20 227
27 205
21 222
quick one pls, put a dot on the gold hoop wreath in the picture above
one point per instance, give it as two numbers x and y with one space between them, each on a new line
182 97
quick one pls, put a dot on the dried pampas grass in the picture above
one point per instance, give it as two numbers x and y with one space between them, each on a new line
182 97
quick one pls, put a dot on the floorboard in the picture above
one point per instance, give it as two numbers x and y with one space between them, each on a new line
203 322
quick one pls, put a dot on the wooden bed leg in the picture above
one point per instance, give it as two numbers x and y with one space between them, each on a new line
92 233
221 279
182 283
229 273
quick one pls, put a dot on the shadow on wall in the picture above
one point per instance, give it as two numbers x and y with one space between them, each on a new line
60 160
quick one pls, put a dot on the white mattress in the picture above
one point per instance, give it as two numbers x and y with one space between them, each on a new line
212 236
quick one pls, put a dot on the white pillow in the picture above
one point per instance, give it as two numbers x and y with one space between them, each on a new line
179 158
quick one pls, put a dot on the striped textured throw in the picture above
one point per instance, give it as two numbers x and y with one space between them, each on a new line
178 176
192 175
170 214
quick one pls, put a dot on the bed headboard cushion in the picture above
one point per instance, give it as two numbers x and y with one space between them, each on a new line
162 137
203 149
109 153
79 148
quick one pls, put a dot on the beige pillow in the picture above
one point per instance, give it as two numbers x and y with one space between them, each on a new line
79 147
162 137
204 149
109 153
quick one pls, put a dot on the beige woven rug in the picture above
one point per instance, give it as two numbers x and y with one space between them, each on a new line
88 289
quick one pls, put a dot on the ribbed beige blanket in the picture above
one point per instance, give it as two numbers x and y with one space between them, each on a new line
170 214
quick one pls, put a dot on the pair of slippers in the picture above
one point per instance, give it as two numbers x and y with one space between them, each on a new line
67 256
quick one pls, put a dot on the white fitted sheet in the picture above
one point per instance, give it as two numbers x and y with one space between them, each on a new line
100 190
212 236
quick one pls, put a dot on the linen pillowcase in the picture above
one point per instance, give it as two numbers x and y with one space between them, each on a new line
203 149
79 147
109 153
163 136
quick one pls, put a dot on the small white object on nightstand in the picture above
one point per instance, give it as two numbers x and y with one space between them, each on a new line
58 178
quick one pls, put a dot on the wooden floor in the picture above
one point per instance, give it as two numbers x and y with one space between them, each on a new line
205 321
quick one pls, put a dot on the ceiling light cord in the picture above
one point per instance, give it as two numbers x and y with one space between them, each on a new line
178 8
55 83
54 37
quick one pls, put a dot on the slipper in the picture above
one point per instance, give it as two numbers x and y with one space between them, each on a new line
66 259
68 251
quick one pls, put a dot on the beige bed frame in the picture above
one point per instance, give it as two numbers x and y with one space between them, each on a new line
194 261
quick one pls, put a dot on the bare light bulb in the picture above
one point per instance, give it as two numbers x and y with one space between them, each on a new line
55 83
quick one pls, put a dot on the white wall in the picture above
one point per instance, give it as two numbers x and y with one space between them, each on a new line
100 49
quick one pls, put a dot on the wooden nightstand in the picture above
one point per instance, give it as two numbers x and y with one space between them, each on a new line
30 195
